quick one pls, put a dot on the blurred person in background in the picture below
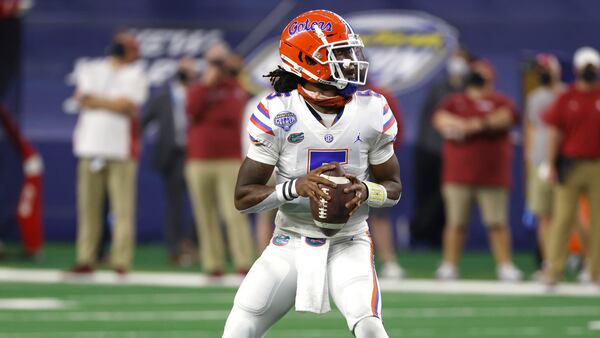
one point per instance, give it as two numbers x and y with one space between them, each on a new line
109 92
215 111
167 110
380 219
428 221
539 192
573 161
477 157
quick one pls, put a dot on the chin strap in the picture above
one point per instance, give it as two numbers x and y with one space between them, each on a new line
319 99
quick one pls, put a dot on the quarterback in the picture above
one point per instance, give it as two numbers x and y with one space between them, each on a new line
314 118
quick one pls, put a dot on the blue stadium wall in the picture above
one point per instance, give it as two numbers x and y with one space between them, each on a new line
57 32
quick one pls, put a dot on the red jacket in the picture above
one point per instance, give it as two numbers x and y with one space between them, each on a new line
481 159
214 120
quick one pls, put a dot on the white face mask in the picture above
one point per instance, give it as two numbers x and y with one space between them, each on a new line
457 66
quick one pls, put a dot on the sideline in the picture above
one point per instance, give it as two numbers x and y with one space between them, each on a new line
197 280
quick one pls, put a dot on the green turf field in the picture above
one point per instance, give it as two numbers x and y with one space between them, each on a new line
129 311
124 311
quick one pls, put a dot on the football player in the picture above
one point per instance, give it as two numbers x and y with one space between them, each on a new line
316 117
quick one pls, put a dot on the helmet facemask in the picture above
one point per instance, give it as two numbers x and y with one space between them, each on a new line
346 60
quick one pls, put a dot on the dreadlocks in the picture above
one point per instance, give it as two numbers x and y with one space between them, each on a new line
284 81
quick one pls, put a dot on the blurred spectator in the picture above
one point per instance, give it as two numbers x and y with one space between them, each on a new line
428 220
477 156
167 110
264 221
381 218
573 159
539 192
215 111
109 92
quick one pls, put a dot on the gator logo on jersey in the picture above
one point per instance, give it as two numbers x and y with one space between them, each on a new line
285 120
315 241
296 138
298 27
281 240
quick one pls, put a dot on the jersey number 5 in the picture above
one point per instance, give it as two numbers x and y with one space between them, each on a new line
318 157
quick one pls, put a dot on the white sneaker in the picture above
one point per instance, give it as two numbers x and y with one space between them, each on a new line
446 272
392 270
584 277
509 273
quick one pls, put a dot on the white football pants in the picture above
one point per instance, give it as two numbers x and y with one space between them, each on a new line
268 292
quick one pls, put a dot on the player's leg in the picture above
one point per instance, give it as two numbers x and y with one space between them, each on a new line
370 327
594 232
539 201
239 237
90 196
565 200
458 200
122 188
354 286
493 204
381 228
266 294
201 186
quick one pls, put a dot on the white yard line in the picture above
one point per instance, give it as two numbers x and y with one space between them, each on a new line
114 316
155 298
33 304
594 326
169 279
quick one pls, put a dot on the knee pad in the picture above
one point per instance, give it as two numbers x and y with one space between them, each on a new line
370 327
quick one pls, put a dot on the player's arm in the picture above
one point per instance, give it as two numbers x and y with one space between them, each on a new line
500 119
120 105
252 194
384 191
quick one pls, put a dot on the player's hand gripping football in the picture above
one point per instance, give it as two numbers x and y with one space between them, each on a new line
307 186
360 193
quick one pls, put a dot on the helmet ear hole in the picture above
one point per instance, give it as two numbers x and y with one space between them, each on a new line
310 61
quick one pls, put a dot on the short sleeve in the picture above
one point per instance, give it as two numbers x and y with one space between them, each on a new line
263 143
383 148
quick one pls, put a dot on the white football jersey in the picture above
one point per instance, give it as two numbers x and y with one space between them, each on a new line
285 133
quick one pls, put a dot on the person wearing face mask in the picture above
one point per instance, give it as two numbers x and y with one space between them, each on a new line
539 192
477 153
109 93
167 112
215 109
573 162
428 220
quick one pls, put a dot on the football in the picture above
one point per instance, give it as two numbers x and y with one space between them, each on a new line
330 216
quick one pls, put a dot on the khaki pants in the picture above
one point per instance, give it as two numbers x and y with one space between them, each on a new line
117 177
211 184
539 194
583 177
459 198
